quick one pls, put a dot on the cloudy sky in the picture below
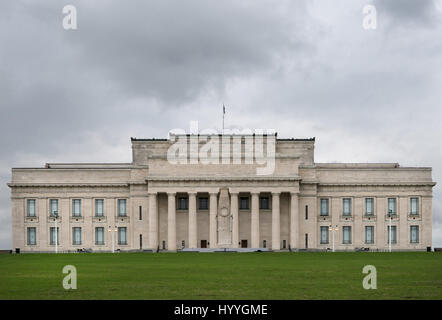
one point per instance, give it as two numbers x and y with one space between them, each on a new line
142 68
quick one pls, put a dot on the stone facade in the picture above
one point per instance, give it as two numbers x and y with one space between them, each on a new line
154 204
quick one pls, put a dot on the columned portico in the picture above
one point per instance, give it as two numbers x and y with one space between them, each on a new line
213 206
235 219
276 242
153 221
255 220
171 221
294 219
193 235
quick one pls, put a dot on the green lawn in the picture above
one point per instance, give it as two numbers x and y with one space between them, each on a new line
222 276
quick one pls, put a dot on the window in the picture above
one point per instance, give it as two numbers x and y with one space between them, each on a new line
32 236
53 236
284 244
264 243
414 234
183 203
244 203
346 235
53 207
346 207
369 206
122 235
324 207
306 240
391 234
122 207
391 206
99 235
76 207
140 212
76 235
414 206
183 244
99 207
203 203
369 234
306 212
164 244
30 208
324 235
264 203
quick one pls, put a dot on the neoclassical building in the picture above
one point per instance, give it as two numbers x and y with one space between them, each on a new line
158 203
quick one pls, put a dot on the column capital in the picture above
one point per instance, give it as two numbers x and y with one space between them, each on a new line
192 193
234 193
171 193
212 193
255 193
276 193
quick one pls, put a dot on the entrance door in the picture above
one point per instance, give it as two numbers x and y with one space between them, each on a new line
243 243
203 243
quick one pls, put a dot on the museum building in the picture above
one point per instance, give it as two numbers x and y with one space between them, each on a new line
156 203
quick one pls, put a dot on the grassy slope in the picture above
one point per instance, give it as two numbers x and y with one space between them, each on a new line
222 276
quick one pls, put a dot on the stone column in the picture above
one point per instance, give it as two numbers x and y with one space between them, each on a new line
153 221
294 220
171 222
276 236
212 219
235 219
255 220
193 236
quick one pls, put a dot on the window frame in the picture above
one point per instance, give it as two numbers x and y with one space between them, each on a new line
74 213
321 240
416 227
393 239
348 228
264 198
28 240
366 213
119 233
74 233
97 214
372 235
411 206
350 213
97 242
245 198
203 199
28 201
327 202
119 213
180 201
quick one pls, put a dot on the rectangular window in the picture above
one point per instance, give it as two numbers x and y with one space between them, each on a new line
141 213
31 208
244 203
391 233
53 236
122 235
32 236
76 207
76 235
203 203
369 234
369 206
324 235
264 203
346 207
284 244
324 207
414 234
306 212
183 203
414 206
122 207
99 207
99 235
391 206
346 235
264 243
53 207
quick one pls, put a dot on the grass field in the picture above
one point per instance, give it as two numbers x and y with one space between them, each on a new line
222 276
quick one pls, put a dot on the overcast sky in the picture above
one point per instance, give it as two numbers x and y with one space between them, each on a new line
142 68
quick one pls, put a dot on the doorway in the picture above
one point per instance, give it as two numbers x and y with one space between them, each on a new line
243 243
203 243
